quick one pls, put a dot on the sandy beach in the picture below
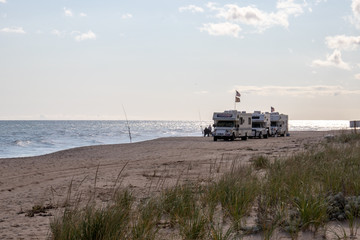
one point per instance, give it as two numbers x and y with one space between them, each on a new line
45 180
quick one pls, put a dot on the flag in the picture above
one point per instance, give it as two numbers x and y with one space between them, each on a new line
237 96
272 109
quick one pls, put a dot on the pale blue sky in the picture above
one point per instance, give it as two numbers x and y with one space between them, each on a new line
178 59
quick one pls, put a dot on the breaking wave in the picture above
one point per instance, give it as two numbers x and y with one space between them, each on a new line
22 143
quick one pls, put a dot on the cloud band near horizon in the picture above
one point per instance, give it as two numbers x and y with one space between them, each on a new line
297 91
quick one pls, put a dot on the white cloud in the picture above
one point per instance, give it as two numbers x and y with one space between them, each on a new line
126 16
296 91
357 76
191 8
221 29
247 15
319 1
19 30
289 7
212 6
355 6
68 12
2 1
343 42
58 33
333 60
251 15
85 36
82 14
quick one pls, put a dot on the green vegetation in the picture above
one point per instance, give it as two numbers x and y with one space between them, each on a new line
260 162
299 193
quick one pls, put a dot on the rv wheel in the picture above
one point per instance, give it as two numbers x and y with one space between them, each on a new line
232 137
244 138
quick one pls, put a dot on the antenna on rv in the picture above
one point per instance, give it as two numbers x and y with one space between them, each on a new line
127 123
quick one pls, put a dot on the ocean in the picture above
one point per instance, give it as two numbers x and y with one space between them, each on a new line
32 138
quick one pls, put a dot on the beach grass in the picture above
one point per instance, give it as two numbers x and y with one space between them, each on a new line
90 222
302 192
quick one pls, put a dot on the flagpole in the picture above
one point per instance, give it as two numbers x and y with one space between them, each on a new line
235 101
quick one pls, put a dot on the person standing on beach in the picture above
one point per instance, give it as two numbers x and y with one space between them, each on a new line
207 131
210 131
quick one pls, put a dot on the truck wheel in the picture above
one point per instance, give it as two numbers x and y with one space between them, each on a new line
260 135
232 137
244 138
215 139
265 136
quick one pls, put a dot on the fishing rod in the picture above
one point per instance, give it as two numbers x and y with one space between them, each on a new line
127 123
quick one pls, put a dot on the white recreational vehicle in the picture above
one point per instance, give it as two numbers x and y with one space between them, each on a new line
232 124
260 124
279 124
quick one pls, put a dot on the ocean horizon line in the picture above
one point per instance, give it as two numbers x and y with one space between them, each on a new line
3 120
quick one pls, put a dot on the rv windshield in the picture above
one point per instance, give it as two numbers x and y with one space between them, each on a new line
225 124
257 125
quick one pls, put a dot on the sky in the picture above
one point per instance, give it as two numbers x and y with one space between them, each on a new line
178 59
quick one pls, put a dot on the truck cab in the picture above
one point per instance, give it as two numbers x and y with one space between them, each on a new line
232 124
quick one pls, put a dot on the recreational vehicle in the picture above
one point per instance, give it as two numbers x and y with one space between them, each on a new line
260 124
279 124
232 124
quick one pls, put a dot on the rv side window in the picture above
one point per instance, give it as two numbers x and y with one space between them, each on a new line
241 121
249 120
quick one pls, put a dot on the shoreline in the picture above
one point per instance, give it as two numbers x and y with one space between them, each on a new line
141 141
29 181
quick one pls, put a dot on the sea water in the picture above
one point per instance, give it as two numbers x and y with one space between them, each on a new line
31 138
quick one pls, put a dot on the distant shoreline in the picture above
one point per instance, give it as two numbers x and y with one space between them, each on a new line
34 138
170 137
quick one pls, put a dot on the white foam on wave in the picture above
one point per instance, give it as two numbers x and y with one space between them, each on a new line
22 143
